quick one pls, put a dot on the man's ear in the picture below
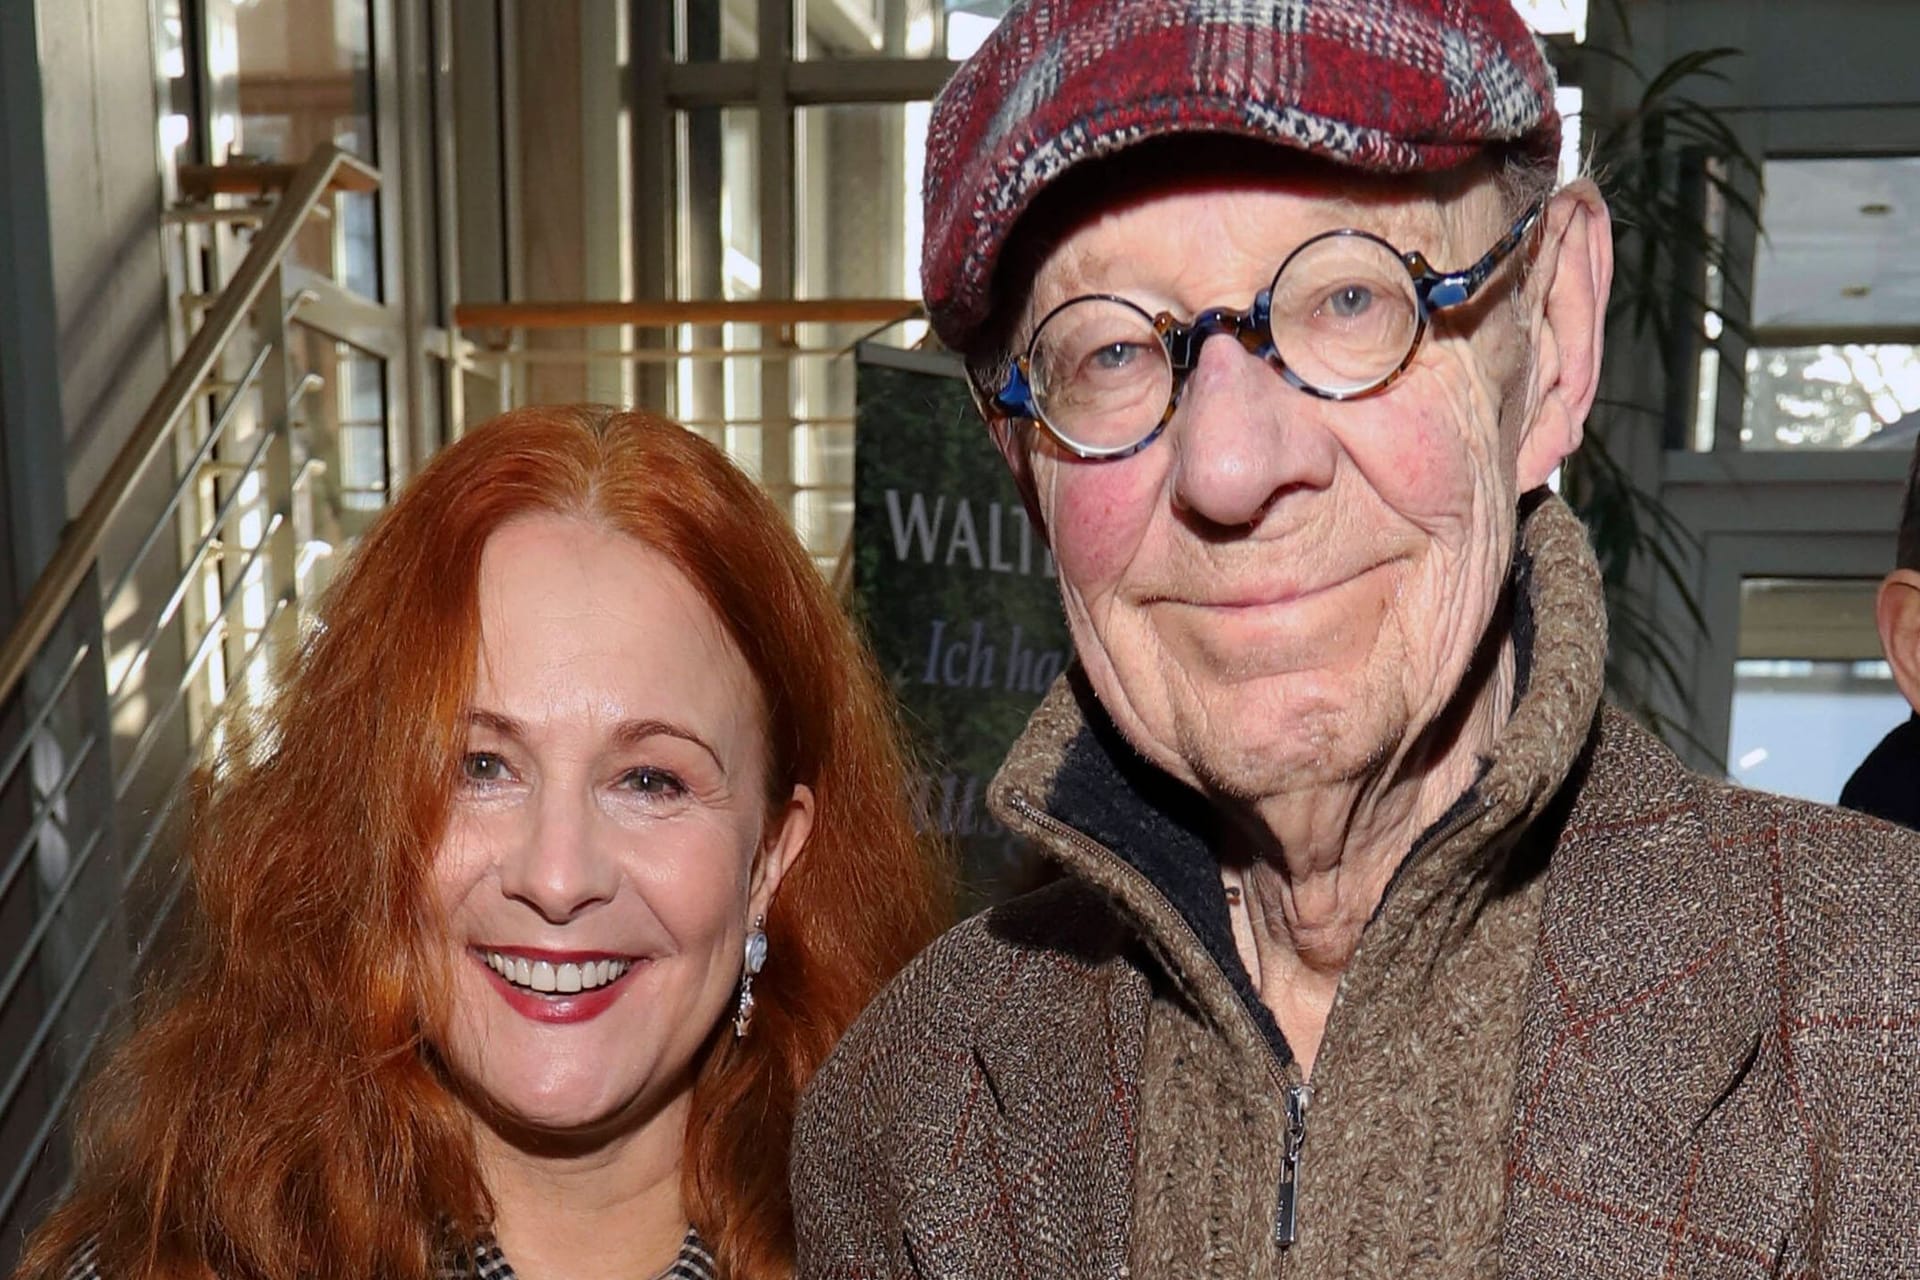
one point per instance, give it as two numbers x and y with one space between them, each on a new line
1897 611
1573 269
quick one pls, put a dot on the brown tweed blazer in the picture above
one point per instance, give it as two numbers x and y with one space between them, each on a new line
1612 1019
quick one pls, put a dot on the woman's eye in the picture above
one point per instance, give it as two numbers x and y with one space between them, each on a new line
483 767
649 781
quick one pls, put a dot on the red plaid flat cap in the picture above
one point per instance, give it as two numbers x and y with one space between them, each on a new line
1394 86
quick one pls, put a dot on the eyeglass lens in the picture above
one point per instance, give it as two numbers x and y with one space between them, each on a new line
1100 373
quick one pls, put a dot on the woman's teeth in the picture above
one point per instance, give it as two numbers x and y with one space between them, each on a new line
555 979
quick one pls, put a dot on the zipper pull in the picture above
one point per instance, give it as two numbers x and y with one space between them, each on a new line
1299 1098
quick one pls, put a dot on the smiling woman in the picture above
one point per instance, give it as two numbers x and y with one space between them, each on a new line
521 923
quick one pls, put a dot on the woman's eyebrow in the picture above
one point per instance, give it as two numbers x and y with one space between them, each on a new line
498 722
633 732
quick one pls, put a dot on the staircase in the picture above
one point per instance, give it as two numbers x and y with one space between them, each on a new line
163 614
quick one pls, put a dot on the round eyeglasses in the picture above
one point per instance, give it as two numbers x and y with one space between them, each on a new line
1342 319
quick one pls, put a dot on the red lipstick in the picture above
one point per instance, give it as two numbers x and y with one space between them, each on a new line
557 1007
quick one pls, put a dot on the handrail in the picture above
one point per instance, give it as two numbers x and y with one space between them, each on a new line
261 178
80 543
663 315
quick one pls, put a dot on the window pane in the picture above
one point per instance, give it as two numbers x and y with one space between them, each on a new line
1571 102
867 28
170 43
1842 244
305 77
969 23
1811 693
719 246
956 28
719 180
857 200
1555 17
1832 397
340 439
1836 296
857 235
713 30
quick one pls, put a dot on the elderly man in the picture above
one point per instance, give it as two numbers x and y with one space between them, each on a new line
1380 947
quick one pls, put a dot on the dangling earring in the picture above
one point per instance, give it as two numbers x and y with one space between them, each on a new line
756 960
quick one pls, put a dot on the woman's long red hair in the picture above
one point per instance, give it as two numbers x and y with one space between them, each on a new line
276 1111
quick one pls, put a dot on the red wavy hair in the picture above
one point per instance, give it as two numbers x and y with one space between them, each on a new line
276 1111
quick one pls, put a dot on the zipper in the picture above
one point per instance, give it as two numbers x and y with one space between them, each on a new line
1297 1092
1286 1207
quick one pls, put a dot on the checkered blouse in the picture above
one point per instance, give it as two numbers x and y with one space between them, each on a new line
488 1263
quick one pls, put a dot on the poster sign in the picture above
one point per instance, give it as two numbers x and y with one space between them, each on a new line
958 594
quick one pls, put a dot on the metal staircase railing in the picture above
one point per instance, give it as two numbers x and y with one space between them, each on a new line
110 695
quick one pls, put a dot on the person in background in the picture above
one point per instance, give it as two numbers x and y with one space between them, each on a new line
1887 783
576 837
1382 948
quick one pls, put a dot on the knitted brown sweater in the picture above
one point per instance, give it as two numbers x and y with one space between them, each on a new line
1612 1019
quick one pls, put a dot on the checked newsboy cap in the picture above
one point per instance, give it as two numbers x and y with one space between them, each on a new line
1392 86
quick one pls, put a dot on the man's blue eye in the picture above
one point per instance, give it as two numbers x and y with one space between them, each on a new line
1350 301
1116 355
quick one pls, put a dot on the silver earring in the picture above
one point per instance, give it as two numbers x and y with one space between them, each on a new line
756 960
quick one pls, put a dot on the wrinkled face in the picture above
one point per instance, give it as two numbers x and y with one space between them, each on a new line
610 839
1281 589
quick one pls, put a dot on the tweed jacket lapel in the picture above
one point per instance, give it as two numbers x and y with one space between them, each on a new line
1653 999
1035 1150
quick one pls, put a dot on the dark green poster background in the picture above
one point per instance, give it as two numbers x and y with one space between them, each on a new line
957 592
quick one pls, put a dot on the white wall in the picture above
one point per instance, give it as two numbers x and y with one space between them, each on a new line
104 201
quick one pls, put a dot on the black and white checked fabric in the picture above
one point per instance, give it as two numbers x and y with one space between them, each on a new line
486 1262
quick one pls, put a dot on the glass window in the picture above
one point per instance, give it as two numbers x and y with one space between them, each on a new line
715 30
340 440
956 28
176 118
857 220
857 231
305 77
891 28
1555 17
969 23
1832 396
1836 281
1811 693
1571 101
715 393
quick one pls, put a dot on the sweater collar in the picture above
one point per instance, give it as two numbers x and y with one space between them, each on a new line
1074 785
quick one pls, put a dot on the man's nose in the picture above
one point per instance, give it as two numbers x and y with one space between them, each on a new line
1243 438
563 866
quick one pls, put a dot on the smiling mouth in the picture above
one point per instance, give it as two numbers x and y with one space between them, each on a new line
543 977
1276 597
